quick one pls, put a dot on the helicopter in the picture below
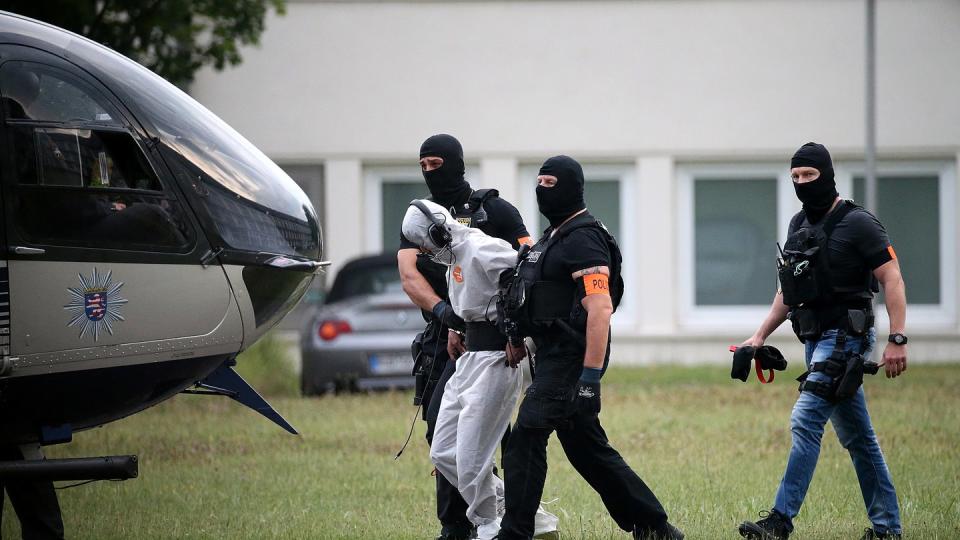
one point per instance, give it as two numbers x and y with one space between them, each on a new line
143 245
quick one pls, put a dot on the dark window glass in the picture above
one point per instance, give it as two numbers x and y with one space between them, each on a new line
735 241
80 179
249 226
395 198
909 208
366 279
81 158
227 161
40 93
110 219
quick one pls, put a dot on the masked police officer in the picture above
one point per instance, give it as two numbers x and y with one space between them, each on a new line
832 261
572 273
424 281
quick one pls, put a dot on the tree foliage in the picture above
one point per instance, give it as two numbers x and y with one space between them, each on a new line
174 38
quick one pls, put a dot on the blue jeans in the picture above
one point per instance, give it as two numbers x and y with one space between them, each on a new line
852 423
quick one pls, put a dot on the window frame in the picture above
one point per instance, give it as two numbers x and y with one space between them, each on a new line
723 318
124 123
374 178
741 318
933 317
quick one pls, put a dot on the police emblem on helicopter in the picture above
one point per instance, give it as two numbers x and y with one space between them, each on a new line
95 304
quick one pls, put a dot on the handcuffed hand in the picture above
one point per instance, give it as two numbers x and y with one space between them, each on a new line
455 345
515 353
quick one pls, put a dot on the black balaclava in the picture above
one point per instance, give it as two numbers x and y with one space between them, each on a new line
557 203
446 183
817 196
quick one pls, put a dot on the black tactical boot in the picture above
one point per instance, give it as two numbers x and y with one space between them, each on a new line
457 531
870 534
771 527
664 532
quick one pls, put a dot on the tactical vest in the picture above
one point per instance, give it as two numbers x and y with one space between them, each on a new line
472 214
804 265
533 304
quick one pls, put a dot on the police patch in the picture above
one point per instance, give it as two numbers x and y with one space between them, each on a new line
95 304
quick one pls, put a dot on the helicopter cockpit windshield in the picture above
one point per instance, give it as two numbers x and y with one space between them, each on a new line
255 206
248 200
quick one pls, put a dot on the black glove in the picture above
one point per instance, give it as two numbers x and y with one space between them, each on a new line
771 358
587 397
742 358
443 312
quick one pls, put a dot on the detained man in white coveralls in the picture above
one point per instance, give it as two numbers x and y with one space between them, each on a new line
479 398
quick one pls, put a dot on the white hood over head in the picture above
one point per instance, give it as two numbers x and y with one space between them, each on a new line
477 262
416 225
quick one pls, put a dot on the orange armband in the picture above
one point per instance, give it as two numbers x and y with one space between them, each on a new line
596 284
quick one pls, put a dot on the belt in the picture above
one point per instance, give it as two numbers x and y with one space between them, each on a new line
484 336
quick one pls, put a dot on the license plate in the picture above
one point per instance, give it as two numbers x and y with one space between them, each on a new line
390 363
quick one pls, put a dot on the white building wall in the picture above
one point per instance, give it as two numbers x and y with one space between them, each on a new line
529 79
661 86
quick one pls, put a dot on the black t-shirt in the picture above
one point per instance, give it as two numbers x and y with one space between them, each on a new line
582 248
858 245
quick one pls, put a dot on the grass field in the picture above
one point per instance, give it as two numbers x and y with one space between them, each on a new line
711 448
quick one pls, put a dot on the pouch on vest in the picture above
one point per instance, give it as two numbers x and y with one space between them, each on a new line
806 324
798 271
804 267
473 213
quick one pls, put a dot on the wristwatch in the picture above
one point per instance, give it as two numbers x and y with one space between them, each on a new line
898 339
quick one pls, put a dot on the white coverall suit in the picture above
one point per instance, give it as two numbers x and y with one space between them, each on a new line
479 398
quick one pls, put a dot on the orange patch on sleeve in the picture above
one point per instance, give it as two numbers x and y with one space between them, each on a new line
458 274
596 284
525 240
892 253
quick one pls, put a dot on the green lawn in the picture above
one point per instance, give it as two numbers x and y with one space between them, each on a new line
711 448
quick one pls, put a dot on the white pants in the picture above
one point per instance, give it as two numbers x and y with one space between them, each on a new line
478 401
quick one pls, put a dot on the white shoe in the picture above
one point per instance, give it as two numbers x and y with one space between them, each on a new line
488 530
545 525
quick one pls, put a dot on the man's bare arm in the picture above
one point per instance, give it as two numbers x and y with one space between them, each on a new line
895 295
413 282
775 317
599 310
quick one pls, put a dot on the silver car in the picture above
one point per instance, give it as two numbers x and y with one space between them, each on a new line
360 337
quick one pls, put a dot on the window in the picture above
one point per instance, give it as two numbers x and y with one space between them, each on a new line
395 197
35 92
80 178
730 216
908 207
734 240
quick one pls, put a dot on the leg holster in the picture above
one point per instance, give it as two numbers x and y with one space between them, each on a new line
845 369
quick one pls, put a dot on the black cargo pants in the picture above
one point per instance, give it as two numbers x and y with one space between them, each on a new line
35 503
548 407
